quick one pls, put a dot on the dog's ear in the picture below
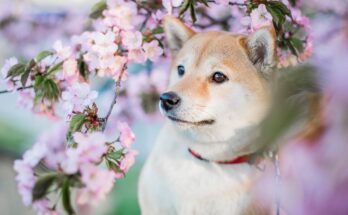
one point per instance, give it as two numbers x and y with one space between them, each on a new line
261 48
177 33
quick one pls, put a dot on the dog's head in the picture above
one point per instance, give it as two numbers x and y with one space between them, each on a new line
217 81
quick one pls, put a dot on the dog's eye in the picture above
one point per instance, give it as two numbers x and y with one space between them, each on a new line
219 77
181 70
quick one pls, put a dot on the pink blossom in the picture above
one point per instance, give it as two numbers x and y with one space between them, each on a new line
104 44
26 98
132 40
90 147
70 67
128 160
137 55
260 17
111 66
63 52
152 50
127 136
77 97
169 4
25 180
42 207
9 63
98 182
122 14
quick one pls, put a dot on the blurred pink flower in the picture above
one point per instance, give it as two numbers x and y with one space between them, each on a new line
63 52
98 182
25 180
90 147
70 67
127 136
78 97
137 55
132 40
152 50
122 14
7 66
42 207
128 160
169 4
260 17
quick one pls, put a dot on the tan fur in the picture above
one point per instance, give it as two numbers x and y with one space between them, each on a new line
174 182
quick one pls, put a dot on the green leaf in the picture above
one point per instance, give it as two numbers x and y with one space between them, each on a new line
76 123
293 2
43 184
158 30
280 6
27 71
193 12
205 2
83 68
116 155
16 70
54 68
296 46
184 7
66 201
51 89
97 9
42 55
38 81
277 15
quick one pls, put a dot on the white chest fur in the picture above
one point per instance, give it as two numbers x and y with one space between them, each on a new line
175 182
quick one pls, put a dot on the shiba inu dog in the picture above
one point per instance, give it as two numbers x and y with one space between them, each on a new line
217 95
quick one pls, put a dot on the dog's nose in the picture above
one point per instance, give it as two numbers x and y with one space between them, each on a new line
169 100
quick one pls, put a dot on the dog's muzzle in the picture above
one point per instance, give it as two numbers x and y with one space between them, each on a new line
169 101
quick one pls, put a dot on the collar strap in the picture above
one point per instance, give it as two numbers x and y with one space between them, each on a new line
238 160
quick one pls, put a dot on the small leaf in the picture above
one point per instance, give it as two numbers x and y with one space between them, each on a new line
193 12
97 9
42 55
158 30
43 184
25 77
184 7
280 6
16 70
116 155
76 123
54 68
66 201
296 46
83 68
27 71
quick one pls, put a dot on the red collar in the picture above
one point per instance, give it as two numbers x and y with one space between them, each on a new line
238 160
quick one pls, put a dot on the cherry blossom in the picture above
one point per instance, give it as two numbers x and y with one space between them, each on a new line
152 50
127 136
63 52
77 97
260 17
132 40
128 160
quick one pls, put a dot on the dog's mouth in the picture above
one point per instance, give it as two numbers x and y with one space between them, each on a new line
199 123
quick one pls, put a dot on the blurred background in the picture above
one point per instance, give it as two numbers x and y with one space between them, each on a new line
29 26
26 27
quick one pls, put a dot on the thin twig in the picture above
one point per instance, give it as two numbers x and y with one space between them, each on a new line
114 100
230 3
18 89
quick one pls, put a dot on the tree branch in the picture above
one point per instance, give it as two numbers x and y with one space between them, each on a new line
114 100
18 89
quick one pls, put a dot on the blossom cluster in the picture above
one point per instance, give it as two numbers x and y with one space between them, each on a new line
50 161
58 83
314 170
